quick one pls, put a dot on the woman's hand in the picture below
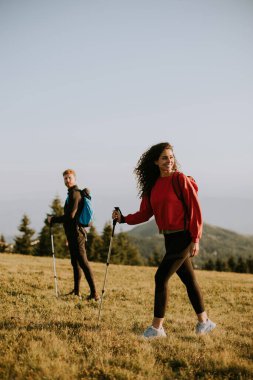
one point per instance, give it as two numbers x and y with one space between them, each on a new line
116 215
193 249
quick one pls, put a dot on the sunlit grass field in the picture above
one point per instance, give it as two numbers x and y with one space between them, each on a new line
42 337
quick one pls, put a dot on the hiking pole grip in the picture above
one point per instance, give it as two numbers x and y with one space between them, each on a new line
116 208
115 220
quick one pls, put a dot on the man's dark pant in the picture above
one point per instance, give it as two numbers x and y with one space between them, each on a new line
79 260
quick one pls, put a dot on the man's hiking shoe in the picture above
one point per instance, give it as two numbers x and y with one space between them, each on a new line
70 293
73 292
152 332
205 327
94 297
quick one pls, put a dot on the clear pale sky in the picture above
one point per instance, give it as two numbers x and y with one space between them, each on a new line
92 84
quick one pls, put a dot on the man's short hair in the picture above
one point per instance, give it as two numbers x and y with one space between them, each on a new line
69 171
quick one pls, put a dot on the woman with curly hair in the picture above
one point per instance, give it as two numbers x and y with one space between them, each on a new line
171 197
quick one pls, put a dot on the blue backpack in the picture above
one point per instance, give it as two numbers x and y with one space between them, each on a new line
86 214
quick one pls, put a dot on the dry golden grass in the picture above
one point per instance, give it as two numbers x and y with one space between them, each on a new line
42 337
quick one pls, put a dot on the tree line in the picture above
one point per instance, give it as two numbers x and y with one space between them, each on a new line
240 265
124 251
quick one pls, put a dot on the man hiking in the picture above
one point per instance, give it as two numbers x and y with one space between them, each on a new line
76 235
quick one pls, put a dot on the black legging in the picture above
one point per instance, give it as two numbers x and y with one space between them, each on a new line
79 260
176 260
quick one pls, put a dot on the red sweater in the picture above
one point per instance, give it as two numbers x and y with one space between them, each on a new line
168 210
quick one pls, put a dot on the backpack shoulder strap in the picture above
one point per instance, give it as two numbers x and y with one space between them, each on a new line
178 191
176 185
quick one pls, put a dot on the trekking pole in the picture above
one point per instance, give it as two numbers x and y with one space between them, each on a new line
107 264
52 246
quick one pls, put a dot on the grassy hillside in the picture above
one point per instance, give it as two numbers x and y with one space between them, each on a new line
42 337
215 242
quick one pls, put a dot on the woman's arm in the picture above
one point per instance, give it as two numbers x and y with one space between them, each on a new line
143 215
194 211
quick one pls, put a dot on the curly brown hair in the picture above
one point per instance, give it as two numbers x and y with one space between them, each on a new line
147 171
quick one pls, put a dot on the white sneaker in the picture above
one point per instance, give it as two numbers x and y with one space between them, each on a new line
205 327
152 332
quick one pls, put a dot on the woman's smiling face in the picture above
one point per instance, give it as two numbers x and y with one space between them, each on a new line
166 162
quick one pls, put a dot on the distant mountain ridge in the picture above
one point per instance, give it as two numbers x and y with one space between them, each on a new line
150 229
230 213
216 242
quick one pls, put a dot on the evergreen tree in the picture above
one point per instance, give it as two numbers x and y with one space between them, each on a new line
249 263
93 245
155 259
220 265
209 265
23 243
231 264
125 252
241 266
3 244
122 252
44 247
106 238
